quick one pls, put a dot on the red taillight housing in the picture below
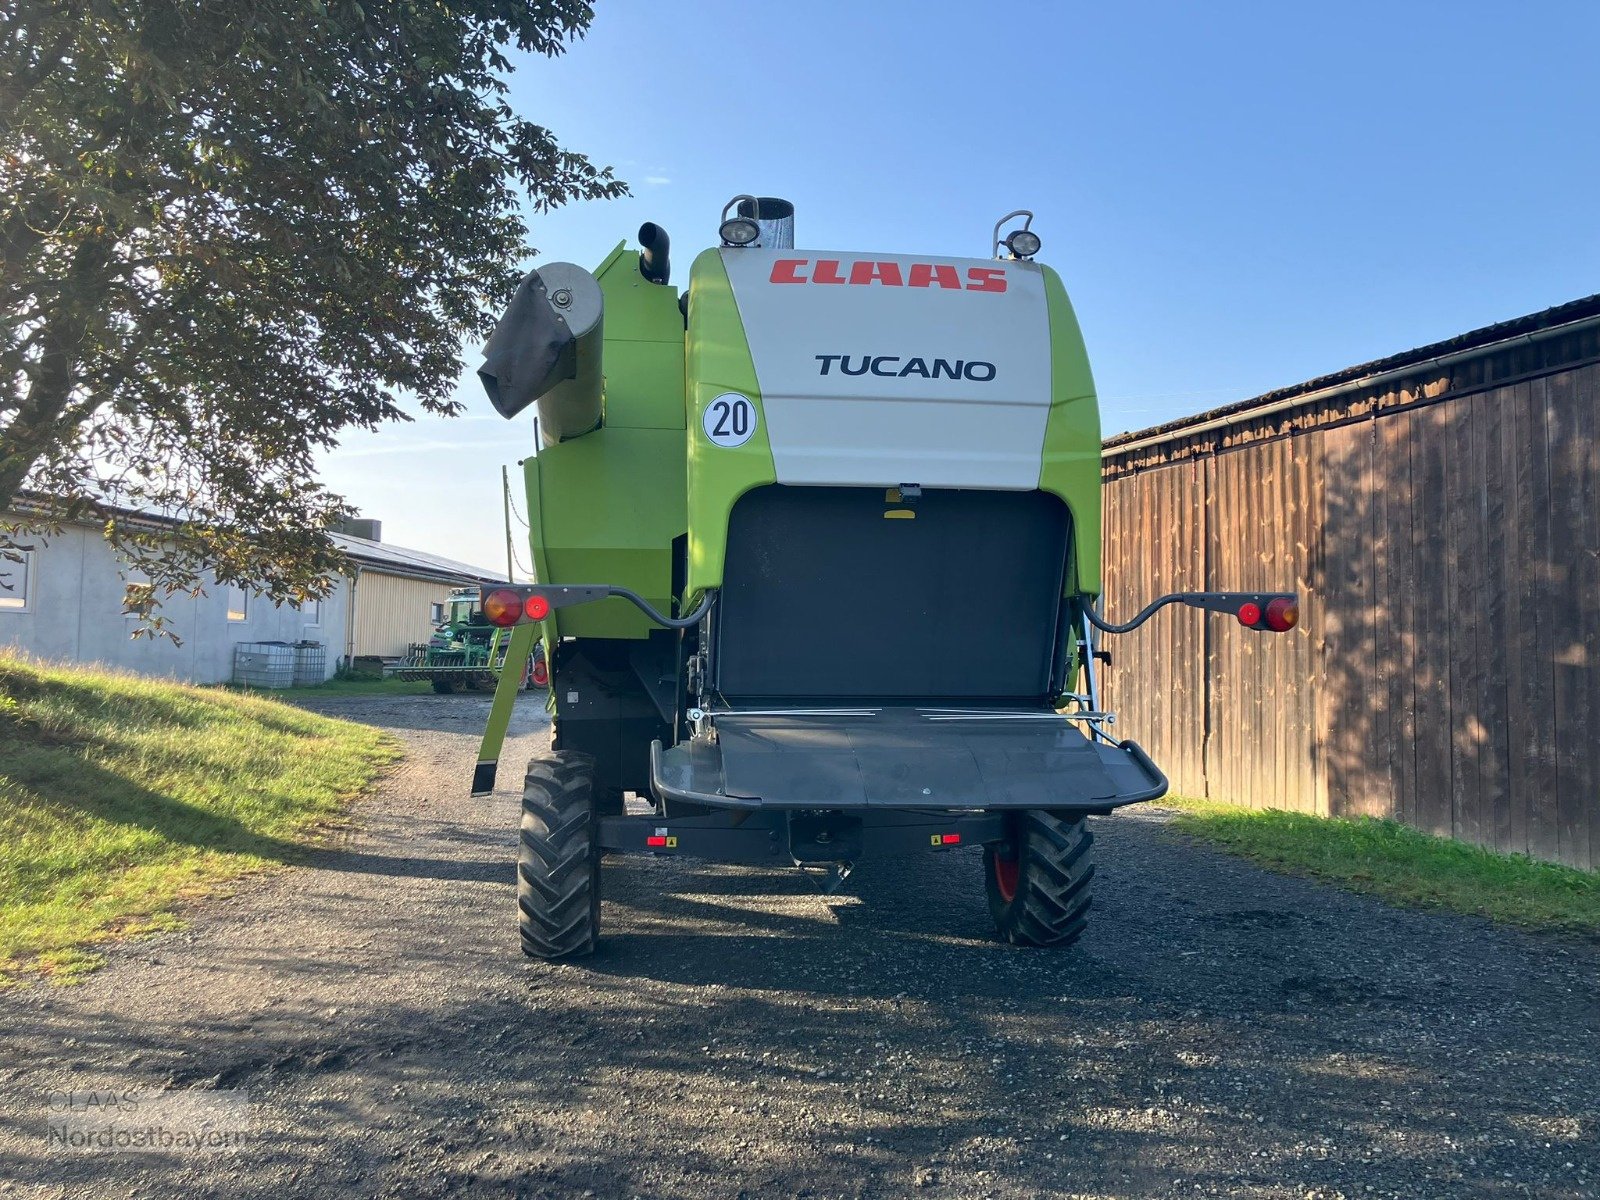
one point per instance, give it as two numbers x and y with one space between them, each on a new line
1282 615
1249 614
502 607
537 608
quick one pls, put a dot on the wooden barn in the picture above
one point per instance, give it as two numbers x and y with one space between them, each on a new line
1439 512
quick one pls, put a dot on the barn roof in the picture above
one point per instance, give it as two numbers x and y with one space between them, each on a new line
380 556
397 560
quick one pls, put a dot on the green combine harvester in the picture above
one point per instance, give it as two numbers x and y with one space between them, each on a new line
818 543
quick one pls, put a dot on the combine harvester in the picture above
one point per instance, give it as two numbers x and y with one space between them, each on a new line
818 542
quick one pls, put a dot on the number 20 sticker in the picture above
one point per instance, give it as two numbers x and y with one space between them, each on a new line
729 420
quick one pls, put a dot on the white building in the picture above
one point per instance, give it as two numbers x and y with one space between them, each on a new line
64 603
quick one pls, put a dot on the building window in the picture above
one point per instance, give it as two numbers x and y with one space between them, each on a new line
438 613
16 584
311 610
238 603
136 591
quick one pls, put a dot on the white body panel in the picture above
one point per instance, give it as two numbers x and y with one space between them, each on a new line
846 357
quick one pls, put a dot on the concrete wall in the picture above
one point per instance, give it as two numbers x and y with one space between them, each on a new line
74 614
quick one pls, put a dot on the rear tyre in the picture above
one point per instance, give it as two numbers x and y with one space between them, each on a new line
445 687
558 865
1038 879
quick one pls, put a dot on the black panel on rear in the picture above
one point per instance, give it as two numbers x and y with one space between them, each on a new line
825 596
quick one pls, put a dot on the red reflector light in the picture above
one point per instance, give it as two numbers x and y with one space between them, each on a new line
1249 613
655 840
950 839
537 608
1283 614
502 607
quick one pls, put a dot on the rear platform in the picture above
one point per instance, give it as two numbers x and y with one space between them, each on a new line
903 758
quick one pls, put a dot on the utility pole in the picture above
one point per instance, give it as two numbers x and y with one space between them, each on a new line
505 495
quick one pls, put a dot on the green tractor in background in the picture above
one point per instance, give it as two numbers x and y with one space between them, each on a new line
818 547
465 651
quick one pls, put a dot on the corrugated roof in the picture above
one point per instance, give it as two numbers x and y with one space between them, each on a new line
397 559
401 561
1489 335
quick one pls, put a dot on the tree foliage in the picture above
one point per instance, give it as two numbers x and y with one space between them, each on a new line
232 229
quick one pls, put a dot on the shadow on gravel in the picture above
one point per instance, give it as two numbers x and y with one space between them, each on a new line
498 869
465 712
584 1080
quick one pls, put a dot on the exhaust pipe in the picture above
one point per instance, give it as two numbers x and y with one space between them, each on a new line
653 247
776 218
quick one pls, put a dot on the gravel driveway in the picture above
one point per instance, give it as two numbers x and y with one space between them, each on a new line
1220 1030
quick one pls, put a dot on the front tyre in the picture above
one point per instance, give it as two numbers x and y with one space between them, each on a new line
1038 880
558 862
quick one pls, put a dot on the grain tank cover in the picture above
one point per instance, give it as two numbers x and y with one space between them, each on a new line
882 368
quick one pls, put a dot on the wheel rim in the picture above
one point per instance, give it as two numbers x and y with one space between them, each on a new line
1007 868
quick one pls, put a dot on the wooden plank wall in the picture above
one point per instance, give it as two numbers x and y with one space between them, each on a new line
1446 543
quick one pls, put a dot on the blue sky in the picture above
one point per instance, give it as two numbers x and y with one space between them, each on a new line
1238 196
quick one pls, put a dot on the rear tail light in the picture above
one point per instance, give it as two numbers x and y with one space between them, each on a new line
502 607
1249 613
1282 615
537 608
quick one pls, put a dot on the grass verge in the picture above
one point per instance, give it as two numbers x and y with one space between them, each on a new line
1401 865
122 796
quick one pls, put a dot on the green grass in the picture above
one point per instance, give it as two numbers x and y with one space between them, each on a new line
1401 865
121 797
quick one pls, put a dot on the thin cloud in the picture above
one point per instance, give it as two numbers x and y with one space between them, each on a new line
656 180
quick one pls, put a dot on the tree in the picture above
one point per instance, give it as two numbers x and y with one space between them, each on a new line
232 229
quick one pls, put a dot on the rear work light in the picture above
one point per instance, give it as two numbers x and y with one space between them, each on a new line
1283 614
502 607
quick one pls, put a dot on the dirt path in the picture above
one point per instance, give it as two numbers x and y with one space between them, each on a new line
1221 1031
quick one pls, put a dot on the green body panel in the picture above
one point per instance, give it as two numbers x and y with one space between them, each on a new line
605 507
718 361
643 347
608 505
1070 463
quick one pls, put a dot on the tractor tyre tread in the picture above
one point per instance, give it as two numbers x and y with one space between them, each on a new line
558 864
1050 906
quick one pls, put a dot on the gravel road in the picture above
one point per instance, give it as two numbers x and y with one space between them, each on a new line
1220 1031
